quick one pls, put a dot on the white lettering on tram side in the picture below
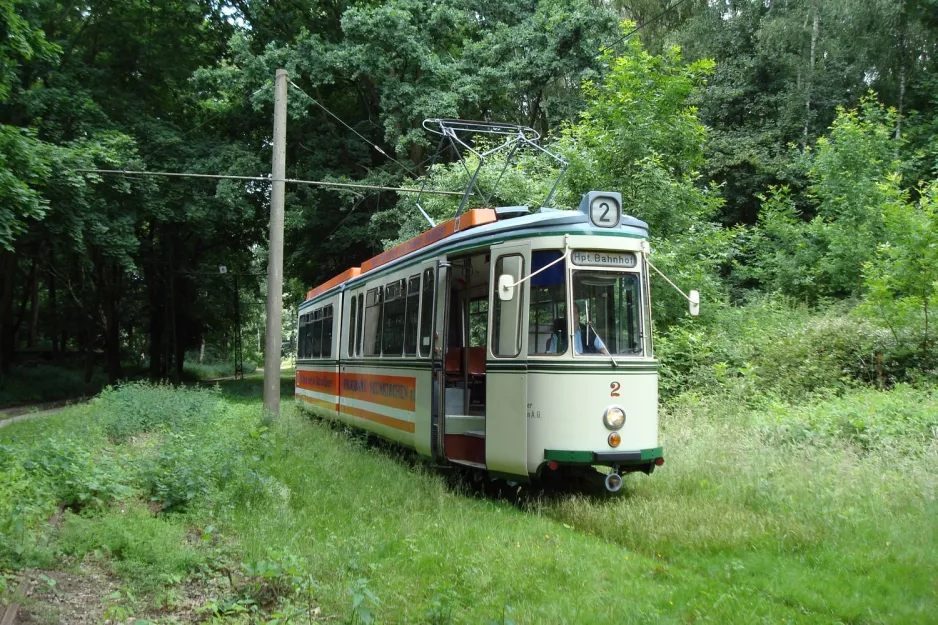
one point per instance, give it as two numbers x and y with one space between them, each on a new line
604 259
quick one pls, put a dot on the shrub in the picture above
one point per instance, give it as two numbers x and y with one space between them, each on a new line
142 546
903 420
143 407
25 503
771 346
77 476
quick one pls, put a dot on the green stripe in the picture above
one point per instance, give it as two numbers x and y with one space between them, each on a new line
568 456
587 457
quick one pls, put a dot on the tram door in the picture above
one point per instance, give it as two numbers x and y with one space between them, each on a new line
461 369
437 354
506 426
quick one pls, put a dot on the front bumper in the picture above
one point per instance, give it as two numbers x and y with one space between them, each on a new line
622 458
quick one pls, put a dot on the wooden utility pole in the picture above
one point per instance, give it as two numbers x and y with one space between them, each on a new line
275 250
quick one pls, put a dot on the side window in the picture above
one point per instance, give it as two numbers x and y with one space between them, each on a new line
426 313
317 334
547 323
478 322
359 330
301 337
373 322
327 331
353 306
410 316
506 318
392 331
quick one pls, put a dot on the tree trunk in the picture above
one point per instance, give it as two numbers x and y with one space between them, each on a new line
176 371
8 263
815 30
53 316
180 359
902 57
109 304
155 292
34 312
202 351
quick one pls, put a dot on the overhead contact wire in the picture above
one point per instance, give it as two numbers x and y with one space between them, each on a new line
318 183
358 134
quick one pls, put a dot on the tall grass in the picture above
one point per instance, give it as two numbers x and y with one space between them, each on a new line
750 520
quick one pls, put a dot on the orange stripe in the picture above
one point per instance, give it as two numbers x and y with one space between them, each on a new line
346 275
398 424
469 219
320 381
322 403
386 390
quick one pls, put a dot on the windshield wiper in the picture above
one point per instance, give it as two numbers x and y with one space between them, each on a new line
589 326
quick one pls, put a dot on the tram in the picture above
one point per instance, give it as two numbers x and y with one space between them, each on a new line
511 341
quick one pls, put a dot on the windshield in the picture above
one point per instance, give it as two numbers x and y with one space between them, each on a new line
606 310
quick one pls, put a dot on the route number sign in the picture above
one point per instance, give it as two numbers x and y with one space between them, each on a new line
605 211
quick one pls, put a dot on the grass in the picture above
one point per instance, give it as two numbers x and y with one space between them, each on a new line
214 370
750 520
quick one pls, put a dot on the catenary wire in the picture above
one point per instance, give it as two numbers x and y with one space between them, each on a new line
358 134
318 183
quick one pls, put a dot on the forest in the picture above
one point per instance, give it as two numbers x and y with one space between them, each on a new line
781 151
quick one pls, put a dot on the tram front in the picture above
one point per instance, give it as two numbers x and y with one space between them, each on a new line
591 377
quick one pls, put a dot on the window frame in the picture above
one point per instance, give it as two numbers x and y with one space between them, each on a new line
350 349
412 298
377 296
395 293
425 320
497 306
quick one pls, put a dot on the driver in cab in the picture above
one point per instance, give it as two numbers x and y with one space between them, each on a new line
584 335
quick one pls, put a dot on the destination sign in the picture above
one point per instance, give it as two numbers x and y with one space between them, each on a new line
626 260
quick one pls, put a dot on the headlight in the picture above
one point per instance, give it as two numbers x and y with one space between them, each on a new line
614 417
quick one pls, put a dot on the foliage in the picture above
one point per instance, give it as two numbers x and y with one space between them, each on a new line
902 421
823 256
79 477
35 382
143 548
902 278
773 347
640 135
174 447
140 407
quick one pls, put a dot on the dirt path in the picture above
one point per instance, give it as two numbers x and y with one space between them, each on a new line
34 411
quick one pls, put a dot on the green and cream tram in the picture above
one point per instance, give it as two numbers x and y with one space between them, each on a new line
511 341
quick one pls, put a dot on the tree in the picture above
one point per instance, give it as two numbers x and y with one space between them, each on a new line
641 135
901 280
823 256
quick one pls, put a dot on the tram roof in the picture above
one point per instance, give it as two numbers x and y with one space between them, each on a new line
478 226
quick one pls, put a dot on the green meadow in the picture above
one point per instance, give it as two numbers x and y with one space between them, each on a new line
193 508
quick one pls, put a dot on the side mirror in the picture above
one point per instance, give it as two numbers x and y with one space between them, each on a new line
506 287
694 299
